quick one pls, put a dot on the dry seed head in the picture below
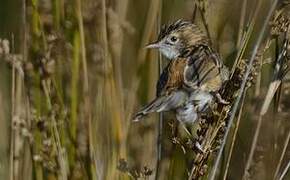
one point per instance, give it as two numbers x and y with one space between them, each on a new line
280 23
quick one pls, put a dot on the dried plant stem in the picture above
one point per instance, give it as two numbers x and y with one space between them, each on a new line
18 141
160 122
282 156
210 136
27 168
116 18
149 26
285 171
253 146
62 158
242 23
87 118
112 99
237 125
258 81
83 46
12 136
27 163
159 146
272 88
121 9
193 17
37 31
245 38
242 90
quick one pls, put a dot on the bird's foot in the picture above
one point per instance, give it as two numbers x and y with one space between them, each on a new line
199 147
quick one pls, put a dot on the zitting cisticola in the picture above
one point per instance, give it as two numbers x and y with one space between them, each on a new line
191 80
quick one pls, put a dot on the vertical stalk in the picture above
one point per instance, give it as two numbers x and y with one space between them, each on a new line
18 139
242 23
57 12
12 136
237 125
282 156
160 121
86 121
285 171
74 94
257 132
242 90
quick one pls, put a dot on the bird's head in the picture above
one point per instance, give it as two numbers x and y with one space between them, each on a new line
178 39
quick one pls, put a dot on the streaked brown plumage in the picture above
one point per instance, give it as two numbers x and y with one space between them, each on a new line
175 76
192 78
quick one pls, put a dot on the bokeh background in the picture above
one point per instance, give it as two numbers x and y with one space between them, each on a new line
77 71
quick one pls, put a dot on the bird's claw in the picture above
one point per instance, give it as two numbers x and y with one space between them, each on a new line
199 147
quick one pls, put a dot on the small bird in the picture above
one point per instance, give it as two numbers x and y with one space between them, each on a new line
190 82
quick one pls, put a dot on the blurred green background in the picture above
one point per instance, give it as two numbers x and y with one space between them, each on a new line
85 73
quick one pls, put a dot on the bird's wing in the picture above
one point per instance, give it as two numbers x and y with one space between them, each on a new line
163 79
163 103
172 77
203 71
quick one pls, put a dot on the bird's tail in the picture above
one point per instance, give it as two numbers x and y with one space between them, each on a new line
162 103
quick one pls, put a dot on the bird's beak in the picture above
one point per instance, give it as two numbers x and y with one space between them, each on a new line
153 46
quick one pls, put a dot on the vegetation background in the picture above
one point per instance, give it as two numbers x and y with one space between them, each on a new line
75 71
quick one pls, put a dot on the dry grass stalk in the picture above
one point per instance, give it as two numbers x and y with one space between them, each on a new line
282 156
237 125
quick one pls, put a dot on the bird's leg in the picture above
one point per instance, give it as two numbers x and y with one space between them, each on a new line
220 99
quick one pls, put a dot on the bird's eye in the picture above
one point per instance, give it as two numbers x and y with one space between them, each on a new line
173 39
